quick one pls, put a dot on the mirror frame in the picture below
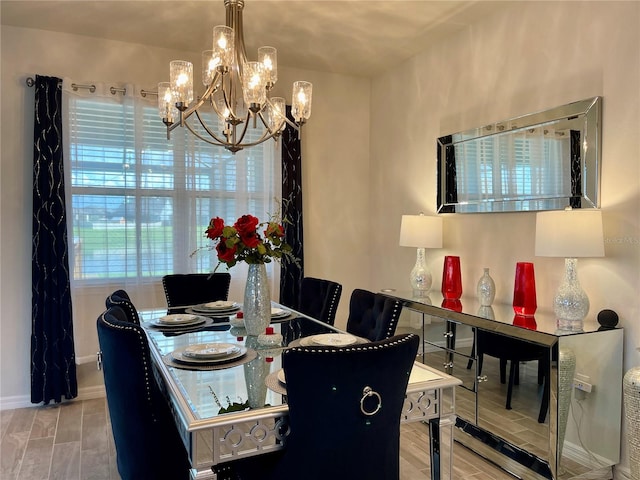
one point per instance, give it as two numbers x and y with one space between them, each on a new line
587 112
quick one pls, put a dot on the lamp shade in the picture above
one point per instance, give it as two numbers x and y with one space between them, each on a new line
569 233
421 231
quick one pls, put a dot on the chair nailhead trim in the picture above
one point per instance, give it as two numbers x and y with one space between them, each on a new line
357 348
142 339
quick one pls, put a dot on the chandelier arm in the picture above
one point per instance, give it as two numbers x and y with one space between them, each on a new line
265 136
266 125
208 130
205 96
211 89
214 90
284 117
186 113
225 144
293 125
236 140
217 142
226 95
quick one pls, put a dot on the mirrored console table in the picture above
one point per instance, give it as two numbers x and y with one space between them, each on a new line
546 428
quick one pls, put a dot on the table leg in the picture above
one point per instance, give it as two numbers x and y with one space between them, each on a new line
434 447
441 447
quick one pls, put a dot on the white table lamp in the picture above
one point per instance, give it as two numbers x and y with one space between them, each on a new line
422 232
570 234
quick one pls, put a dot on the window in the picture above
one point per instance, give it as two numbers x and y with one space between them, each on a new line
139 203
514 167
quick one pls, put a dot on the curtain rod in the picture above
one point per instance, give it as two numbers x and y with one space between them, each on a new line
92 88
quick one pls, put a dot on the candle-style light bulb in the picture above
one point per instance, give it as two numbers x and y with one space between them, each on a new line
223 46
301 101
253 85
181 73
267 56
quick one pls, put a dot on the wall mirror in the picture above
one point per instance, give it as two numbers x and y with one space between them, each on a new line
540 161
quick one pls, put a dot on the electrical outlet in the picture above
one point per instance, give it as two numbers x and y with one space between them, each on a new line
582 385
583 378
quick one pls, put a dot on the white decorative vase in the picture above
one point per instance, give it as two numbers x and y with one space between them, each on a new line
257 300
486 289
631 389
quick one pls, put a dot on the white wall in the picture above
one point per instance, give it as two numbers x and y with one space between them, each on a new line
530 57
334 172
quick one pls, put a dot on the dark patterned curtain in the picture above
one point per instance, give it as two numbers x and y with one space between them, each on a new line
576 170
53 366
291 275
451 193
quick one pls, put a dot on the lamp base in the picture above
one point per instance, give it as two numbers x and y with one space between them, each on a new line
565 325
571 303
420 276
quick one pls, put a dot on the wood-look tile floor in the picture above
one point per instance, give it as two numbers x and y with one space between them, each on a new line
68 441
73 441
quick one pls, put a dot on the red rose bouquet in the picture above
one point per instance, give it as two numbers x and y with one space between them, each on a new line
244 242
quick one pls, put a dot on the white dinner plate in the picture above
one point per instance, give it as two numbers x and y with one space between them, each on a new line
329 340
179 356
333 339
278 313
213 313
216 306
170 326
281 377
178 319
210 350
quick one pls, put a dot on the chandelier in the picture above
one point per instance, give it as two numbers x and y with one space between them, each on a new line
236 89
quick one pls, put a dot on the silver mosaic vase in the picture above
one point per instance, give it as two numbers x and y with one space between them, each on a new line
631 389
566 372
257 300
255 374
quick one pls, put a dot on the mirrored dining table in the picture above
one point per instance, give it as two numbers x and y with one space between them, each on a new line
237 408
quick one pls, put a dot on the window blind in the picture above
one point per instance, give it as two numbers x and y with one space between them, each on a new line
501 168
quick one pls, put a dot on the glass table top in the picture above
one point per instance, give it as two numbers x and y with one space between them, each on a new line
213 393
543 322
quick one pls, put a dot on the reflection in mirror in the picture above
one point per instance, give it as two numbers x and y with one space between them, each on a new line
542 161
546 428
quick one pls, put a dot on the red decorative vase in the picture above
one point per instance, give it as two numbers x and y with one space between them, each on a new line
451 278
525 321
524 290
452 304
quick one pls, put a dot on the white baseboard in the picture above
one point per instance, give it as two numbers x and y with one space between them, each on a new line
24 401
580 455
87 359
621 473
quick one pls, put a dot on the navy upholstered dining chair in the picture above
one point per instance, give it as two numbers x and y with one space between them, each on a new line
121 299
319 299
372 315
147 441
184 290
344 414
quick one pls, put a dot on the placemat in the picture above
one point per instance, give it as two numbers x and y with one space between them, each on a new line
250 355
296 342
178 330
274 384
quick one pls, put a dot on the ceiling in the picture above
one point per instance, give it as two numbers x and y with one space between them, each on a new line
361 38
